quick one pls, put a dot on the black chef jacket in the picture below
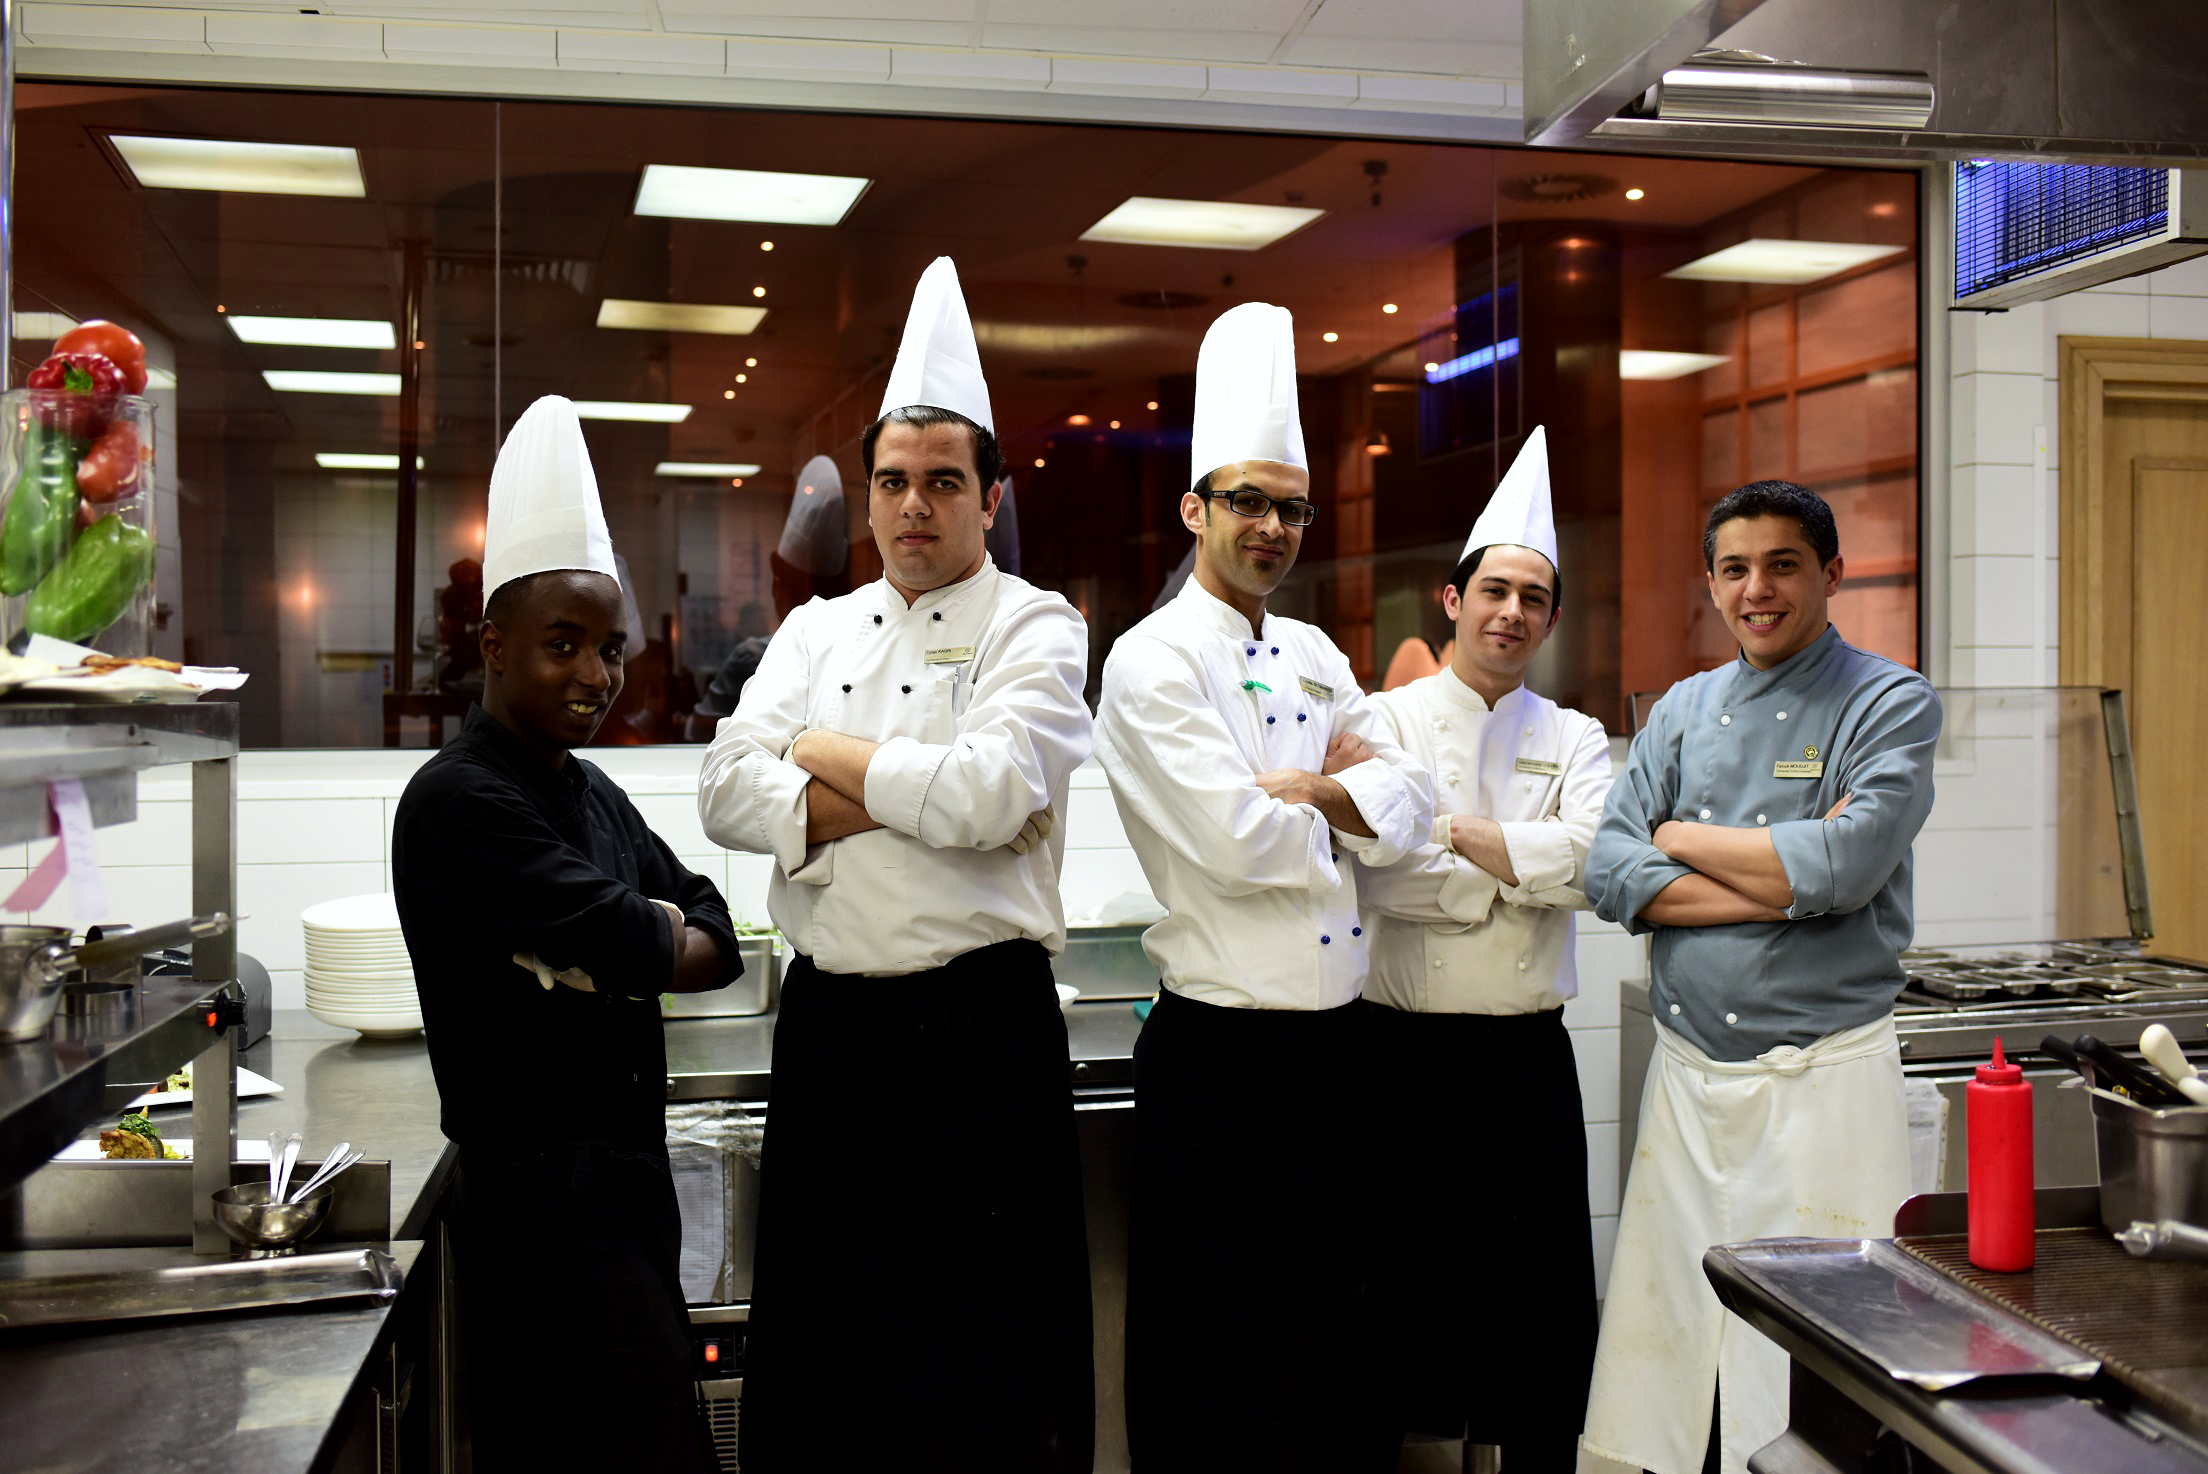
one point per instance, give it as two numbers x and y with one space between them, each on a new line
494 852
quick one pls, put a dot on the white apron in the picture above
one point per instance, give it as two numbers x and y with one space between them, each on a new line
1798 1142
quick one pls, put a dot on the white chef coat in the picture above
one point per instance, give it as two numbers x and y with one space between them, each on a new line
1808 1142
974 692
1447 937
1262 910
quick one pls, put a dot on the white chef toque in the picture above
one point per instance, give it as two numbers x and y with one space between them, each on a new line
544 511
813 537
938 363
1246 392
1520 512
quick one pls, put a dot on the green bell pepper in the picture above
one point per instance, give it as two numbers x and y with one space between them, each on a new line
42 511
111 562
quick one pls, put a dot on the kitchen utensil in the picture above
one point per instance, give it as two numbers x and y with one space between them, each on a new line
280 1176
2154 1163
2168 1239
2058 1049
2161 1049
34 961
2137 1081
265 1226
74 1298
341 1156
275 1160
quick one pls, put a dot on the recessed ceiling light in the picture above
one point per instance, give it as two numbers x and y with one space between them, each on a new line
314 332
623 409
678 317
42 327
1634 194
1649 363
742 378
1115 424
766 245
1433 368
242 168
1388 307
689 193
1330 337
751 363
714 469
1211 224
1038 463
1151 404
1787 262
758 291
728 394
315 381
342 460
1077 419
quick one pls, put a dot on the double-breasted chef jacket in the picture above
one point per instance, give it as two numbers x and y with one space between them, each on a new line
1475 1137
1245 1281
923 944
1774 1099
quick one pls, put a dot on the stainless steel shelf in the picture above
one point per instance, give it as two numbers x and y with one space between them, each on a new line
105 748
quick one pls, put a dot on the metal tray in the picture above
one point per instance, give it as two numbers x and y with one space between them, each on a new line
197 1289
1915 1322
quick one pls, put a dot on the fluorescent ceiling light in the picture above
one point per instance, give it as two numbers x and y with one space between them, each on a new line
1059 338
678 317
41 327
315 332
1465 363
689 193
343 460
704 468
1649 363
1211 224
242 168
315 381
617 409
1783 262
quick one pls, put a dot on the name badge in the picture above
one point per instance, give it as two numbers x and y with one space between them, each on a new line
1315 689
1535 765
950 655
1809 767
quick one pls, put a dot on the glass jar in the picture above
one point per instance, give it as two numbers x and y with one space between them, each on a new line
76 520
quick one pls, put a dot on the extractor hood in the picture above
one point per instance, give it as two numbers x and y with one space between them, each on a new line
2108 81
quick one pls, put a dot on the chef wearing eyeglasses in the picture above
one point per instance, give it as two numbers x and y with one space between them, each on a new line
1247 768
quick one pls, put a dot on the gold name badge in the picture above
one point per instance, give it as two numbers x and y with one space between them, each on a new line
950 655
1536 765
1315 689
1797 770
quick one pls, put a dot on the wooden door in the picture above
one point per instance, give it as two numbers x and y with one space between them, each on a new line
2135 591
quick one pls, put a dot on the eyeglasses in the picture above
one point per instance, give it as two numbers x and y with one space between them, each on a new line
1255 504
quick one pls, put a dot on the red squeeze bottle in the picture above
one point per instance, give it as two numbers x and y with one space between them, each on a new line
1998 1127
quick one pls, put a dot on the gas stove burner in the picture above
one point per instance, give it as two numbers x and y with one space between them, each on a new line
2051 974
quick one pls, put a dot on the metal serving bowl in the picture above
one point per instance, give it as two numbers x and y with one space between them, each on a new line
268 1229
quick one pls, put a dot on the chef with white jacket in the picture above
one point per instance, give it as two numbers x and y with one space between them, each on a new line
1476 1139
1248 768
902 753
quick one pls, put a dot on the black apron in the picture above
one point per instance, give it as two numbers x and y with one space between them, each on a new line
1483 1270
577 1346
921 1290
1244 1291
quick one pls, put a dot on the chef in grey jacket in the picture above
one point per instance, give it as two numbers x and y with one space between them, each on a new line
1761 834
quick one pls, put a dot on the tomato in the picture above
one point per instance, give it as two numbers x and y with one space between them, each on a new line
112 341
110 467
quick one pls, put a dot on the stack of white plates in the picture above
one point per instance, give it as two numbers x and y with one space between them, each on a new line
358 974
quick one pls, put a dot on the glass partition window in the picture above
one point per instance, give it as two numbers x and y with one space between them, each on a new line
348 299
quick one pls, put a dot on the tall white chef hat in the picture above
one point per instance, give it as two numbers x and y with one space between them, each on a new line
1246 392
1519 512
938 363
813 537
544 511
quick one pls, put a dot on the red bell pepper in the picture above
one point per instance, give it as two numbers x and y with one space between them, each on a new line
75 393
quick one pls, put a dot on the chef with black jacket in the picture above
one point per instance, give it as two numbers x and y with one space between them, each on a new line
544 920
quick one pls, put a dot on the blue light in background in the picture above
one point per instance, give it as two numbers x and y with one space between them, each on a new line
1478 358
2016 217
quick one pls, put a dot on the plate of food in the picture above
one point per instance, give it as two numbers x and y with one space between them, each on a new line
177 1089
136 1139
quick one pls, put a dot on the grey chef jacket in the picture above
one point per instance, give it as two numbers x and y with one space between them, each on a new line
1713 752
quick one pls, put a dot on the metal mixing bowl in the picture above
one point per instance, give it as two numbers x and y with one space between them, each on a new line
265 1228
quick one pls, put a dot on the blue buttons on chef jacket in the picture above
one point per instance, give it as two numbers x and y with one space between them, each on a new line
1356 931
1276 650
938 616
1251 651
1299 716
1325 941
877 619
1268 721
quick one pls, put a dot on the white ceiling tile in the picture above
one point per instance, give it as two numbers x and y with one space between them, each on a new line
790 61
992 70
1280 88
906 32
594 51
1479 22
470 46
113 25
636 14
1273 17
1432 95
1160 45
1433 58
1092 78
310 36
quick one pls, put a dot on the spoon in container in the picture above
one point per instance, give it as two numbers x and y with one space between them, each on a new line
2161 1049
340 1157
280 1174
